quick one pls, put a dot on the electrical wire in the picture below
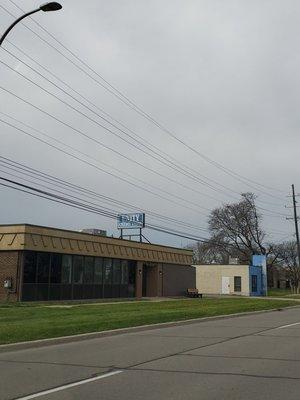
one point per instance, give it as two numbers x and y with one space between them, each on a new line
126 141
97 141
117 93
171 161
60 185
109 172
78 205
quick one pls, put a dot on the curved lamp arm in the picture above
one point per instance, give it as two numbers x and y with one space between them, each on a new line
53 6
15 23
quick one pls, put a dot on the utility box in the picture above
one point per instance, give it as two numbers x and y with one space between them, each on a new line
7 284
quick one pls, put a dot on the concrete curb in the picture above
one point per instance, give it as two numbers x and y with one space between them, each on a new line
94 335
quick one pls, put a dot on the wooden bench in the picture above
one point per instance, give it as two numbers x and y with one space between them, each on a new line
193 293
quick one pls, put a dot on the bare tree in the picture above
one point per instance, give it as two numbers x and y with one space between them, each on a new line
236 228
235 231
208 253
287 259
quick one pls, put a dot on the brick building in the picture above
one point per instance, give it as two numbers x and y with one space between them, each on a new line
41 263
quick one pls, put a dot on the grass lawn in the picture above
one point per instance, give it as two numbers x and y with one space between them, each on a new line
26 322
282 293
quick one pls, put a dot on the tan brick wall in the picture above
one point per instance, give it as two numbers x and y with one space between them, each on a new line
9 261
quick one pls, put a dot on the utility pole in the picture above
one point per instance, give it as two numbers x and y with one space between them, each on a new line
296 223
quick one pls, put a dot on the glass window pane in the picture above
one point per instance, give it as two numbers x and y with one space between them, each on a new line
54 292
43 267
88 269
66 269
66 292
29 292
131 278
124 270
42 292
107 271
237 284
55 270
98 270
78 269
254 283
131 272
117 272
29 268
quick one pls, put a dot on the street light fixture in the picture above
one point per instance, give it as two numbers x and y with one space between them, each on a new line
52 6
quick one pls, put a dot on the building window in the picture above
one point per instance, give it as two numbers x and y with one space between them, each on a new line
52 276
116 272
66 269
43 267
254 283
107 271
88 270
98 270
55 269
237 284
78 269
124 271
29 268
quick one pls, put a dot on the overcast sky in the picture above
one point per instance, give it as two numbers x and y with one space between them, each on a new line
223 76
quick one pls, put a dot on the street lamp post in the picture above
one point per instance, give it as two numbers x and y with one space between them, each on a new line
52 6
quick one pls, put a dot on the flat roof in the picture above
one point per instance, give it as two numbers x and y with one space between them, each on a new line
44 238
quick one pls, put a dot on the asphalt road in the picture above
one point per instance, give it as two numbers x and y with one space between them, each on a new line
249 357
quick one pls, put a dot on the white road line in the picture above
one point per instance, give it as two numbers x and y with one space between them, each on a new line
70 385
286 326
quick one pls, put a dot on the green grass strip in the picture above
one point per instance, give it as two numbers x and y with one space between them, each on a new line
31 322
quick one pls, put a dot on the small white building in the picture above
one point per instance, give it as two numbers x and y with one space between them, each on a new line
242 280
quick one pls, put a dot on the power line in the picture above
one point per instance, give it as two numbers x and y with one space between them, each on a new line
260 207
58 182
65 201
81 206
111 167
59 149
125 140
156 171
110 173
117 93
66 185
166 157
267 210
95 140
